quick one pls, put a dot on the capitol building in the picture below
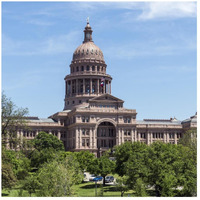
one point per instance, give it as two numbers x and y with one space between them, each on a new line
95 120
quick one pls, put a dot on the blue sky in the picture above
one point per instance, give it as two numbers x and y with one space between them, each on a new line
149 48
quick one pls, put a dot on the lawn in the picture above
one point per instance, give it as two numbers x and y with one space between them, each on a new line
81 190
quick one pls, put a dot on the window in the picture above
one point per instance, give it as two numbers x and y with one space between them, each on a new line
83 119
77 68
79 101
88 68
129 120
125 120
93 68
83 142
87 142
98 68
129 133
73 102
82 68
83 131
87 119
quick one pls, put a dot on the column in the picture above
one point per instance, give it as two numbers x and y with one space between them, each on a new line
104 87
135 135
148 137
70 88
76 86
139 137
97 86
59 135
90 86
167 136
151 137
95 138
66 82
76 138
90 138
83 86
122 136
117 136
175 137
132 133
80 136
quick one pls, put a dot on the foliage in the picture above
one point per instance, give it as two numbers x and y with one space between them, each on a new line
47 141
85 159
122 154
12 119
38 158
122 184
57 178
140 188
189 139
31 184
102 166
8 177
136 165
17 161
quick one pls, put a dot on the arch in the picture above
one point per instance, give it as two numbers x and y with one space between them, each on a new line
106 134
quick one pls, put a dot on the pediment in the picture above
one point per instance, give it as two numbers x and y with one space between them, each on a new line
106 98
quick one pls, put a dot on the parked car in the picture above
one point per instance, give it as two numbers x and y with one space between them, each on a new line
92 177
98 178
109 179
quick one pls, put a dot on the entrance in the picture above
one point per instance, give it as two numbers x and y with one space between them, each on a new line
106 137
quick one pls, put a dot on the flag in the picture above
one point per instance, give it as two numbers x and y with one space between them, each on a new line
102 82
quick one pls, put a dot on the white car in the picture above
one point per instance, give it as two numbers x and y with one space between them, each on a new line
92 177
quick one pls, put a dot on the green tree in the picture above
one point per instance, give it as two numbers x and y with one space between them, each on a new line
31 184
85 159
122 153
122 184
57 178
8 177
189 139
12 119
102 166
136 166
140 188
47 141
165 167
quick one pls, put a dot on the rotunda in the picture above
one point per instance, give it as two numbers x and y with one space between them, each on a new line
87 78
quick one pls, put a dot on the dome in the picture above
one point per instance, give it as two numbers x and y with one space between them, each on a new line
88 50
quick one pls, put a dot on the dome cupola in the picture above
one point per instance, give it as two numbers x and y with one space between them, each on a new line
88 50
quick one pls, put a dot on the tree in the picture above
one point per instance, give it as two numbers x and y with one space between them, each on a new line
57 178
122 154
102 166
47 141
8 177
85 159
136 166
189 139
140 188
122 185
12 119
31 184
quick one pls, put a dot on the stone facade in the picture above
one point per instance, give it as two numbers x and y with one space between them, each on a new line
95 120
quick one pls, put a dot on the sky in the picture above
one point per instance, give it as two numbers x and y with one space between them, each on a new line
150 49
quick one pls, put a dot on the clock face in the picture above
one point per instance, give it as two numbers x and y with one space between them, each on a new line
87 35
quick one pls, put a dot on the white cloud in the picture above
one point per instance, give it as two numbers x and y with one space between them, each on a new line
152 10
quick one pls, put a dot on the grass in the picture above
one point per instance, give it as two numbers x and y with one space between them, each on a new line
81 190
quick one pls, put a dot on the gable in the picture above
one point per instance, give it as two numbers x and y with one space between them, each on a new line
106 98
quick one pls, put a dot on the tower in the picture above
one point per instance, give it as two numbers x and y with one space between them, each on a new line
87 78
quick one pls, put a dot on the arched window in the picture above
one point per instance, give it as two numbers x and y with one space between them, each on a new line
93 68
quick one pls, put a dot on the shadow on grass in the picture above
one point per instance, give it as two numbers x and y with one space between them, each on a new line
4 194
